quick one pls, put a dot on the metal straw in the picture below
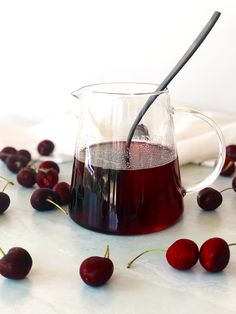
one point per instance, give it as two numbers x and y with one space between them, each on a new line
188 54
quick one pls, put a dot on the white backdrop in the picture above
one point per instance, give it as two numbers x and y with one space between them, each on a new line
51 47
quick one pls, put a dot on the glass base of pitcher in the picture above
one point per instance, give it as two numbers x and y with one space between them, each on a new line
129 232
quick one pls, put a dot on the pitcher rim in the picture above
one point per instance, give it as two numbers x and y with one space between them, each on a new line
89 87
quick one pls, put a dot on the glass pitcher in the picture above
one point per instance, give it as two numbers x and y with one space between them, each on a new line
145 194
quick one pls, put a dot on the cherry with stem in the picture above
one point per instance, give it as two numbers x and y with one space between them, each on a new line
16 263
209 199
181 255
44 199
96 270
213 255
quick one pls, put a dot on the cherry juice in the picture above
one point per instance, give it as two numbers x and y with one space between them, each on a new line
109 196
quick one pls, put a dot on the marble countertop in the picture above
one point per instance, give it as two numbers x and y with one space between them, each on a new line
58 246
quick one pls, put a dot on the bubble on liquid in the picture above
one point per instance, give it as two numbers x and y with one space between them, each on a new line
112 155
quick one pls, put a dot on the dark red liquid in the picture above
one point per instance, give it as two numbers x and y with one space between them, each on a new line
109 197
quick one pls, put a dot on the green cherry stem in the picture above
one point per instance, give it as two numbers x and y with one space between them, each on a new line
147 251
2 252
107 252
7 183
59 207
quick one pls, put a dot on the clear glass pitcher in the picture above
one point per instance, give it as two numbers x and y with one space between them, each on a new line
143 195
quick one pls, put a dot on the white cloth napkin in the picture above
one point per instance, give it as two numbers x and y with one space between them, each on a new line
196 142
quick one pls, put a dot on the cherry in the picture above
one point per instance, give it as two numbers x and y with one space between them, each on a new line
96 270
47 178
214 254
25 153
39 199
44 199
26 177
182 254
6 151
16 162
209 199
4 202
231 152
4 198
49 164
63 189
228 167
16 264
45 147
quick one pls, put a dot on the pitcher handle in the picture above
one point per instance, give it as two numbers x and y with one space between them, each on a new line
221 156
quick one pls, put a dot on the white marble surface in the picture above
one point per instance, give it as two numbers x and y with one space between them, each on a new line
58 246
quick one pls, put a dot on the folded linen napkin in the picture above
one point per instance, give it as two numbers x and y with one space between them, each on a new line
196 141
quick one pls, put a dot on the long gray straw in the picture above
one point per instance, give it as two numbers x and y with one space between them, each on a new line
188 54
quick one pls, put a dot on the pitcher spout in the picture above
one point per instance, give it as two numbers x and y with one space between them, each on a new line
77 93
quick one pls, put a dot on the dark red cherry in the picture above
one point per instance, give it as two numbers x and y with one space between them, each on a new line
39 199
7 151
47 178
228 168
96 270
49 164
26 177
15 163
63 189
182 254
209 199
45 147
16 264
214 254
231 152
4 202
25 153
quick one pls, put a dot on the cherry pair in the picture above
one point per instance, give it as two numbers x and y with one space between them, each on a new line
183 254
45 176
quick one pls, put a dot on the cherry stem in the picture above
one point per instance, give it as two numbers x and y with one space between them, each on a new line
107 252
226 190
59 207
32 163
7 183
147 251
4 154
1 251
231 244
